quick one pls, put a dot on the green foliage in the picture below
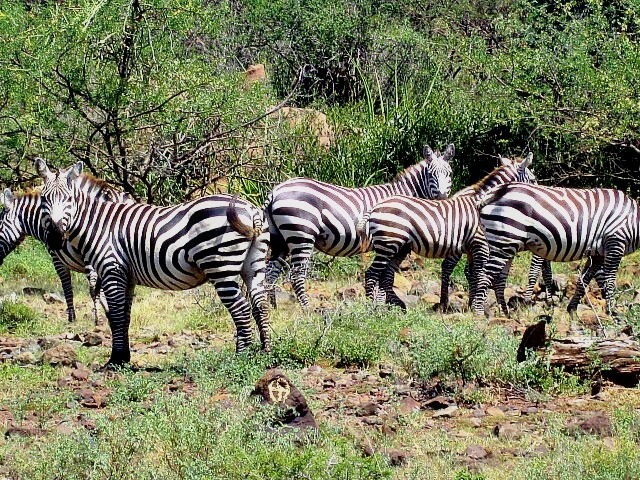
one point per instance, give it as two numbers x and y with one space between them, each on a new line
194 439
16 316
465 351
356 334
29 262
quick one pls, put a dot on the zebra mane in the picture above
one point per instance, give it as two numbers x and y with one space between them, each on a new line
407 171
480 184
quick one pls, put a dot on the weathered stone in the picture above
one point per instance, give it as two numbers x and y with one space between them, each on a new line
52 298
409 405
397 458
495 412
80 374
445 412
255 73
476 452
93 339
475 422
438 403
401 283
351 292
368 409
385 371
61 354
508 431
27 358
275 388
597 424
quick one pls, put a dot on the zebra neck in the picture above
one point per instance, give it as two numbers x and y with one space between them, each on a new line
29 213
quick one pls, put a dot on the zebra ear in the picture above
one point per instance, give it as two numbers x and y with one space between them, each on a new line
7 199
449 152
427 152
74 172
527 161
42 169
504 161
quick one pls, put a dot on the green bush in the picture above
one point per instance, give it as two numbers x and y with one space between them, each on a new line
16 316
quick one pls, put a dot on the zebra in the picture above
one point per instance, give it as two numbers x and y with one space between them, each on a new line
216 238
435 229
305 213
561 225
515 170
22 216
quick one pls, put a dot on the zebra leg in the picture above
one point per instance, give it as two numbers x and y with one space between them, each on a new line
94 291
234 301
119 292
253 274
479 253
379 268
275 265
613 253
500 284
65 279
592 265
534 273
547 276
498 257
300 257
387 280
448 264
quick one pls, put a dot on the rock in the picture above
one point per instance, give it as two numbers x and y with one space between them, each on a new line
92 399
26 358
475 422
476 452
60 355
495 412
508 431
430 298
52 298
368 409
255 73
275 388
314 369
351 292
312 120
445 412
33 291
409 405
385 371
23 431
81 374
596 424
438 403
93 339
401 283
397 458
516 302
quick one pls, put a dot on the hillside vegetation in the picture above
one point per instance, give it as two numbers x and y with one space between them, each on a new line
153 96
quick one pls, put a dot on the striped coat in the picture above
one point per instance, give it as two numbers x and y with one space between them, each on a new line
561 225
217 238
434 229
22 216
305 213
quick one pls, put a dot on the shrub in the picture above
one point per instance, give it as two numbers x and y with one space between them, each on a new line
16 316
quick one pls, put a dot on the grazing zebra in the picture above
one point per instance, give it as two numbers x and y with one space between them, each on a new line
305 213
435 229
561 225
215 238
22 216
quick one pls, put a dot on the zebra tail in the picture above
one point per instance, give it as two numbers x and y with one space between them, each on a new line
361 229
236 223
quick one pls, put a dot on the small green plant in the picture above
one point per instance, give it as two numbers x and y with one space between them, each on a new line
16 316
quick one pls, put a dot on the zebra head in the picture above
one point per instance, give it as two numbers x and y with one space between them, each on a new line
437 174
58 203
522 172
11 229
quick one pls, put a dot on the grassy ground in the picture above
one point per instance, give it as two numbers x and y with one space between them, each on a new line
367 372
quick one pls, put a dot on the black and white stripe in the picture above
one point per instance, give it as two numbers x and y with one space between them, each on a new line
216 238
561 225
434 229
22 216
305 213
